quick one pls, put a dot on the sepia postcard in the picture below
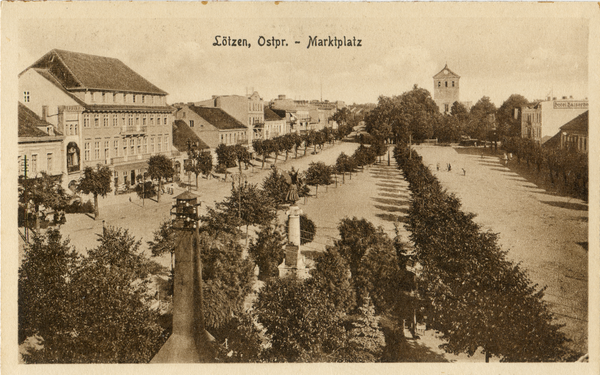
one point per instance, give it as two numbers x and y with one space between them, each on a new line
300 187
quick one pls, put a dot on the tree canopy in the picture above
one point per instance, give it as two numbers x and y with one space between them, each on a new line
96 182
509 124
160 167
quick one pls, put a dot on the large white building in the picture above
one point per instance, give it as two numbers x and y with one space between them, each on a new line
542 120
107 112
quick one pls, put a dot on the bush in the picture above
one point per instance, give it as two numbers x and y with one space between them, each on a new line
76 207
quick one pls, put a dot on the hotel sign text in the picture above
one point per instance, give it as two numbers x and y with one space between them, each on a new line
570 105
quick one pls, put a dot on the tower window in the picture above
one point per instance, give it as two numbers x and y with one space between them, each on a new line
26 96
452 83
446 83
439 83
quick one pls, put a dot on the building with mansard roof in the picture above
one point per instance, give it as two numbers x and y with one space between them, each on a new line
108 113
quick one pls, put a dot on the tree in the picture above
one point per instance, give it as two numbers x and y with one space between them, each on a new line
249 205
318 174
509 116
225 156
302 324
286 144
331 275
308 139
227 277
344 164
241 156
460 112
297 139
191 164
342 116
43 287
448 129
479 118
365 337
275 187
204 160
160 167
45 191
104 316
96 182
267 251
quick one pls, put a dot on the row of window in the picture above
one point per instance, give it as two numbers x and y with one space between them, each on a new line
123 120
29 165
233 138
255 120
255 107
111 97
122 147
446 82
532 117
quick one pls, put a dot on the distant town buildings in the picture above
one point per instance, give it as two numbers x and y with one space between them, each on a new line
541 120
107 113
78 110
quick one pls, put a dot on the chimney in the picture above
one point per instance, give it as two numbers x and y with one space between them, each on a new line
44 112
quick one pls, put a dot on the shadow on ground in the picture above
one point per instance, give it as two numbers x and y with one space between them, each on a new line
393 202
392 218
567 205
399 349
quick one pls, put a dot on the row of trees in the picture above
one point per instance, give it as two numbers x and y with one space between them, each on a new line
566 165
293 141
414 113
470 291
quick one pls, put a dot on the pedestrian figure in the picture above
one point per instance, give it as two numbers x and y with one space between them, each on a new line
505 158
438 166
449 167
129 199
482 155
464 172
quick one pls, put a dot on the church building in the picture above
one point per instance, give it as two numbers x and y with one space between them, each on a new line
446 89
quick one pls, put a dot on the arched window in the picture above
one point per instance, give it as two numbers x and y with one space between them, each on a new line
446 83
72 157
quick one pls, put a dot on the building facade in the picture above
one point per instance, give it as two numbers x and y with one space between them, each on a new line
446 89
107 112
213 126
41 148
574 134
248 109
541 120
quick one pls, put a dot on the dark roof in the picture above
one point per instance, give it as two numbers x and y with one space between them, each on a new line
279 112
78 71
578 124
29 122
217 118
271 115
186 195
553 142
450 73
182 133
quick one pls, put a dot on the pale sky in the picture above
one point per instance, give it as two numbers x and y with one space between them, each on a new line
495 56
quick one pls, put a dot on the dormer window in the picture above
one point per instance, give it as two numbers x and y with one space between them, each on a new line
103 97
133 97
143 99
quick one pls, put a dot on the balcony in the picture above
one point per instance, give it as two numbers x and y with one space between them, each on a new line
133 130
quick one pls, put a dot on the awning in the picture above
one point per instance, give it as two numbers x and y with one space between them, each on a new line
130 166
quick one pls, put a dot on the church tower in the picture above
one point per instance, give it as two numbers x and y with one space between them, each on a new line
445 89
